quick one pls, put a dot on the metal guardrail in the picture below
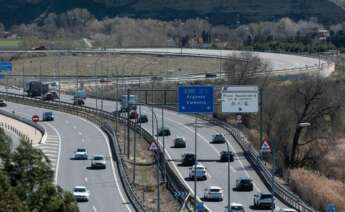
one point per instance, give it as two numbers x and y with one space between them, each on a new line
283 193
104 119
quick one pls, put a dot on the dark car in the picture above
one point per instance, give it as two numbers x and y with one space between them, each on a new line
48 116
188 159
210 75
164 132
143 119
218 139
2 103
179 142
133 114
226 156
244 184
78 101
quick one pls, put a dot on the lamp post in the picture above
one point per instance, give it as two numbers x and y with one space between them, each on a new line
228 148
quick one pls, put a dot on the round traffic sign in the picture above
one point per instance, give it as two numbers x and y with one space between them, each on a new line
35 118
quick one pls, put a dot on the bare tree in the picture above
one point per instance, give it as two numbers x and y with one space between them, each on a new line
245 68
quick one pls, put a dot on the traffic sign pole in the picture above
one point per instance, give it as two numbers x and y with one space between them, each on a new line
196 160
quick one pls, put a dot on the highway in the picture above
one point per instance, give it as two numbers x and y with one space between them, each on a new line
183 125
65 134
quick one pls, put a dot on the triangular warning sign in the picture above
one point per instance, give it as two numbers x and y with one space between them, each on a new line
153 147
265 147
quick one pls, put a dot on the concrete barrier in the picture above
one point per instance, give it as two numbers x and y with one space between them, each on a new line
29 131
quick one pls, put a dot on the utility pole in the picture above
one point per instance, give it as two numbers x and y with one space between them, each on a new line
164 167
128 120
261 118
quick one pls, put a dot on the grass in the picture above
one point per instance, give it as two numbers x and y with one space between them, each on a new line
9 43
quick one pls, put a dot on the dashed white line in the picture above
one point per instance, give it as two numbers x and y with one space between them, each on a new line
94 208
85 179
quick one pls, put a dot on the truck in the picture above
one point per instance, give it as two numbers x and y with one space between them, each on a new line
128 103
264 200
35 88
45 90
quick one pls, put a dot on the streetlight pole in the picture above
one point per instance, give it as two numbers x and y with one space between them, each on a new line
228 148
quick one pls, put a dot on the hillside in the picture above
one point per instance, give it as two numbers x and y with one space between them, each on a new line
227 12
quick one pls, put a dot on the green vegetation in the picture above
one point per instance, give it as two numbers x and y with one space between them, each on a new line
26 181
9 43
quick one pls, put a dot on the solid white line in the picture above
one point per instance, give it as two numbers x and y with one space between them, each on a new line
85 179
111 161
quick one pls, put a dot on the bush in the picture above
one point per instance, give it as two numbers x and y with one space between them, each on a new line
317 189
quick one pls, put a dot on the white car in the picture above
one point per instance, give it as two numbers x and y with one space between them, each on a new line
81 193
286 210
213 193
80 154
198 171
98 162
236 207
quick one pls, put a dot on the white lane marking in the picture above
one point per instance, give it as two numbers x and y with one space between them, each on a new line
94 208
203 138
80 133
59 153
83 140
111 161
85 179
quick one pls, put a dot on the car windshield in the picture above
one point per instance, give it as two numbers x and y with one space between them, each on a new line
245 181
264 196
237 208
79 190
98 158
214 190
81 150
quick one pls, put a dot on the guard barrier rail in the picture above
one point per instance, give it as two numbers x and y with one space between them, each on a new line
104 119
283 193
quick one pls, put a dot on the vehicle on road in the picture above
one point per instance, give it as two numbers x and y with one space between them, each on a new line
48 116
236 207
133 114
179 142
50 96
188 159
210 75
264 200
78 101
81 193
226 156
80 154
128 103
213 193
98 162
244 184
35 88
286 210
197 171
2 103
80 94
104 80
164 131
218 139
142 119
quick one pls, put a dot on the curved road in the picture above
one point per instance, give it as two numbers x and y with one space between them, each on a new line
70 132
183 125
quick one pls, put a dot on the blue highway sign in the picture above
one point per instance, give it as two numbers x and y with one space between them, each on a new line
195 99
331 208
5 66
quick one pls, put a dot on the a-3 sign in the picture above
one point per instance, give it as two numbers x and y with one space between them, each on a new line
195 99
240 99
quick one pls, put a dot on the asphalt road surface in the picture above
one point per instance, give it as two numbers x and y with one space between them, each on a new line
72 132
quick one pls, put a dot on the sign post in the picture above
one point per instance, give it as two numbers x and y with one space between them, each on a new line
195 99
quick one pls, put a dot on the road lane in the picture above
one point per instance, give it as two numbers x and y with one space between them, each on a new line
105 190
